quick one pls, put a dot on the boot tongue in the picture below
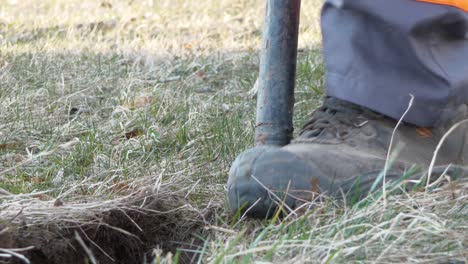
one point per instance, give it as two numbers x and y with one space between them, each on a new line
331 122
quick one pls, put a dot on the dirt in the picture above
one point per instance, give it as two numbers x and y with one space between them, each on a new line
126 236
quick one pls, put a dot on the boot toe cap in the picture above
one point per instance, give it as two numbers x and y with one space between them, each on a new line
264 177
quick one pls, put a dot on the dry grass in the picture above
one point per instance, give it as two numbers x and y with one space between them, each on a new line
106 103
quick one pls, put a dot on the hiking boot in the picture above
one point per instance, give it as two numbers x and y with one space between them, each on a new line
340 152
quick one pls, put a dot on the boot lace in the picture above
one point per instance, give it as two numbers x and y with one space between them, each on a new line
334 120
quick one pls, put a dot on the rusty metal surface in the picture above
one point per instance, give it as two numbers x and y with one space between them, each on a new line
275 99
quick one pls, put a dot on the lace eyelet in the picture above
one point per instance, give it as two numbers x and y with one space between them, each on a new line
342 134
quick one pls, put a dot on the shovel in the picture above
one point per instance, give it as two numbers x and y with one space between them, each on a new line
275 99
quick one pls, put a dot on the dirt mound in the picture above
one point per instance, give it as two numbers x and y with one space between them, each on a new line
127 230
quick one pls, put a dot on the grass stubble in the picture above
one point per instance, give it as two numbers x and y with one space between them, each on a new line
119 121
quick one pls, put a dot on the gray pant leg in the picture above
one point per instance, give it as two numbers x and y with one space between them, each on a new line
377 52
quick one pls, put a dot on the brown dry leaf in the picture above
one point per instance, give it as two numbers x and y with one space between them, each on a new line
139 102
188 46
106 4
42 197
6 146
134 133
121 187
200 74
424 132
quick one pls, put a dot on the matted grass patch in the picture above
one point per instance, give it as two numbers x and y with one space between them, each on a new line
141 225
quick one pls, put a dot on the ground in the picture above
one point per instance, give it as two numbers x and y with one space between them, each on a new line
118 124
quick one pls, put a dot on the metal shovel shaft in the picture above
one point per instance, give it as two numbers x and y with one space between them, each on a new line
275 98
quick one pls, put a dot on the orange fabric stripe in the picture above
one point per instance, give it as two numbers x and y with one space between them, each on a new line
462 4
